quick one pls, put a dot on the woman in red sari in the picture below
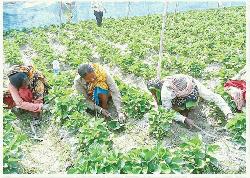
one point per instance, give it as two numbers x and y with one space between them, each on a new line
26 89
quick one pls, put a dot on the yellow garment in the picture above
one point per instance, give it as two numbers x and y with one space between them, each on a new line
100 81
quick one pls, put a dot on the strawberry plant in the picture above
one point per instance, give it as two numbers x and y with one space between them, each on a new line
160 122
94 131
98 160
196 68
65 106
136 103
77 54
12 140
198 157
191 157
237 128
11 52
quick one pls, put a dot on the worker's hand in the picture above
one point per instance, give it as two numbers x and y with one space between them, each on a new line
121 118
189 122
105 113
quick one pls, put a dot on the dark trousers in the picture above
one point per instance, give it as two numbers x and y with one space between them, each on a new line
98 15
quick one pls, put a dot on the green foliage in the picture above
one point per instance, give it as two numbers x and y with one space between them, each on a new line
191 157
196 68
198 156
220 90
237 128
11 52
201 36
98 159
67 104
94 131
196 39
136 103
12 140
115 125
160 122
77 54
39 42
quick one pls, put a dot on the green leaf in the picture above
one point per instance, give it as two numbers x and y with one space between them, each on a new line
165 169
153 167
214 161
175 168
191 104
148 155
136 170
73 171
114 125
177 160
200 163
212 148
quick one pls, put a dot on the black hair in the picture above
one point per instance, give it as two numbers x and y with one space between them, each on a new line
84 69
18 79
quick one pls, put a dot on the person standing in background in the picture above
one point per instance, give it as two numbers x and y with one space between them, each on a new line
98 8
67 8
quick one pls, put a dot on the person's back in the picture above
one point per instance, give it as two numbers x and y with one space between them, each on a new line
181 93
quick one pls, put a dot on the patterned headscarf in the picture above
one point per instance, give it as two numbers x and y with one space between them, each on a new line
38 82
182 85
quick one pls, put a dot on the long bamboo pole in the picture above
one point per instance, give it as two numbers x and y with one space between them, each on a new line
161 40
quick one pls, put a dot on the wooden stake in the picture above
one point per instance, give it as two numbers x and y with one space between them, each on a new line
161 40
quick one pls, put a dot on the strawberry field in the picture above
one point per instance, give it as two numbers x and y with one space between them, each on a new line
208 45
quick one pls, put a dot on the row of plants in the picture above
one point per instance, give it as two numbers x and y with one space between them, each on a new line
13 137
95 144
184 39
230 54
237 128
12 141
192 156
